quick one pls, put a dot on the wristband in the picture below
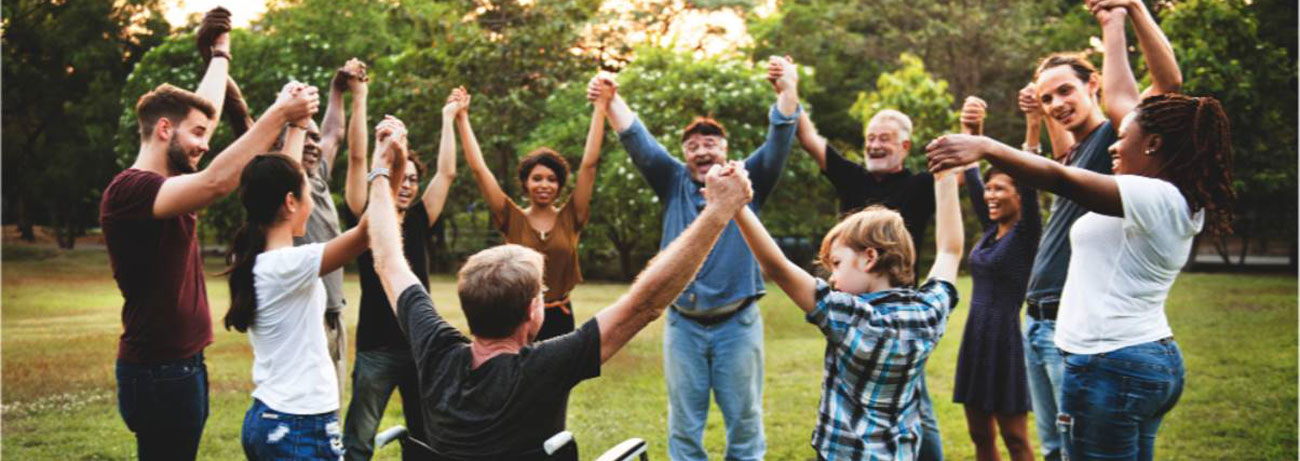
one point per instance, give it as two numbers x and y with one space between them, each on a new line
1032 149
221 54
375 173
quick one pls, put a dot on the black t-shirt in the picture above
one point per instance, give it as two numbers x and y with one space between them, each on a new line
376 325
912 195
506 407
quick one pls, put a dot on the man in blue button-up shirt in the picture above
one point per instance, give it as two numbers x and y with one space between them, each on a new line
713 341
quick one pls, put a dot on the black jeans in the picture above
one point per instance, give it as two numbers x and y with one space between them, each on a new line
165 405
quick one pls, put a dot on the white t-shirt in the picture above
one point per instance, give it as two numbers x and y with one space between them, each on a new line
292 370
1122 268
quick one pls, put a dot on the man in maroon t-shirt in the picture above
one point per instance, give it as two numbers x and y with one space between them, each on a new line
148 217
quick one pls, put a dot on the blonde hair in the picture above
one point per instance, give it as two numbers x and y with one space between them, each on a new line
880 228
496 288
902 120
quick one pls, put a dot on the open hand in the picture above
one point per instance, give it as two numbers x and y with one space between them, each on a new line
954 151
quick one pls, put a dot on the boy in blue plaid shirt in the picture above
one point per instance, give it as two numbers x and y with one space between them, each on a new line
879 330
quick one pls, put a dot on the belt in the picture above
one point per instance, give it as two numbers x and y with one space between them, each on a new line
562 303
1045 311
715 319
1162 341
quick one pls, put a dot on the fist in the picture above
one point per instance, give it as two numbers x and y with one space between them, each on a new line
972 114
390 143
782 72
1108 15
954 150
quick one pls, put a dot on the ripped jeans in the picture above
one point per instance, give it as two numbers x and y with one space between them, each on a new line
269 434
1112 403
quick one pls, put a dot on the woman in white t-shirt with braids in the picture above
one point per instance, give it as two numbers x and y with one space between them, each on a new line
278 298
1173 177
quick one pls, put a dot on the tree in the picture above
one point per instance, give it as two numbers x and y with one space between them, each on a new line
64 65
912 91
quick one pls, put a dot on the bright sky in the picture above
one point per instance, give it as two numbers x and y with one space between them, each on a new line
242 12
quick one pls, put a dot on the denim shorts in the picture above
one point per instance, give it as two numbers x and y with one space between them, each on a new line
269 434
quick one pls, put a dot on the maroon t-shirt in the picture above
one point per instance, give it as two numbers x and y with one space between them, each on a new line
158 269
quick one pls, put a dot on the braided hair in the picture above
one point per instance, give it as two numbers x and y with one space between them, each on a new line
262 186
1196 143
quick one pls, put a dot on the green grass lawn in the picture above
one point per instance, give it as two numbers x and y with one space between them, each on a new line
61 319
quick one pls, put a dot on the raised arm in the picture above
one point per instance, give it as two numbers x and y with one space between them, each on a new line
386 241
1035 118
948 232
435 195
1095 192
214 45
649 156
1121 93
591 152
333 127
354 187
812 142
668 273
186 193
487 183
768 161
973 112
1156 50
797 283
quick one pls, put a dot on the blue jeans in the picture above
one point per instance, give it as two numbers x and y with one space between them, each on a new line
931 441
1044 368
374 375
1112 403
273 435
727 359
165 405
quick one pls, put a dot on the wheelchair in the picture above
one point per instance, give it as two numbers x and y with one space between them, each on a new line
559 446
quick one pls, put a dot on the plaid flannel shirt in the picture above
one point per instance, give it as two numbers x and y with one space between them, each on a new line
876 347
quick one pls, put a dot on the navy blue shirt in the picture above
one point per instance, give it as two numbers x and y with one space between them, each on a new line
1053 261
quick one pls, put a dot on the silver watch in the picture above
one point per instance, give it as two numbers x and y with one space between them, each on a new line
375 173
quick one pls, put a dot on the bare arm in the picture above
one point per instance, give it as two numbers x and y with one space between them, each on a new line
620 115
948 231
1095 192
213 85
386 242
487 183
1121 90
669 272
346 247
582 191
435 195
186 193
332 127
811 141
354 187
294 140
1156 50
797 283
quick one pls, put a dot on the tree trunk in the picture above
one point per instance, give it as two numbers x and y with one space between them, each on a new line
25 222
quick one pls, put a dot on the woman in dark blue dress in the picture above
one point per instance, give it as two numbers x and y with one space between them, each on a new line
990 379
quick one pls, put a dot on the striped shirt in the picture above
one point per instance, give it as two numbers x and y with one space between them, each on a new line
876 347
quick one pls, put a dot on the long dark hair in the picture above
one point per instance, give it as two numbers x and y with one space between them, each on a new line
262 186
1196 145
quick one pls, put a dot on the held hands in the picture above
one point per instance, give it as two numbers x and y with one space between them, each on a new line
1112 12
1029 104
457 103
352 76
214 33
728 186
973 112
783 74
954 151
390 150
601 89
297 101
